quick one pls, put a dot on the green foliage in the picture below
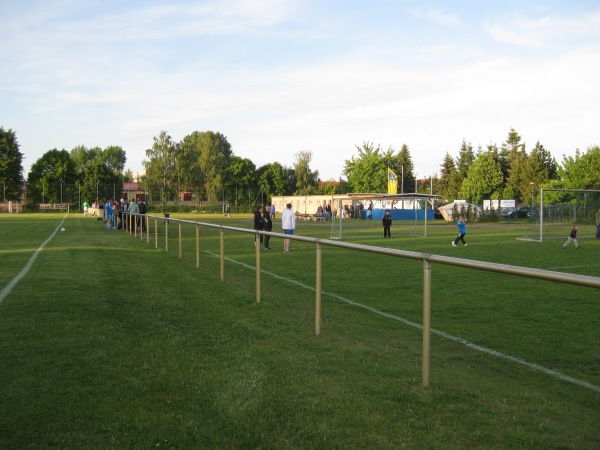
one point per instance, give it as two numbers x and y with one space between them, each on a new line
483 179
49 174
11 165
306 179
466 157
583 170
454 174
368 171
522 173
405 171
204 163
159 181
240 176
444 187
99 172
330 187
273 179
213 153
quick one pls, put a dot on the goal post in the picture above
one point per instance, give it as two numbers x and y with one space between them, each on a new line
553 218
410 213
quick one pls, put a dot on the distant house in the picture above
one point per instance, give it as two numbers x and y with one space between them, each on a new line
133 190
327 183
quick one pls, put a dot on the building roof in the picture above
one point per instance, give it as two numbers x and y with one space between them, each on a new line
131 186
409 196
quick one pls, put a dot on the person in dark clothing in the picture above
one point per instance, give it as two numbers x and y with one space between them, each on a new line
258 223
387 224
268 226
572 237
142 208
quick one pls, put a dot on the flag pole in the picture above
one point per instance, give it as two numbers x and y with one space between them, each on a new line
402 187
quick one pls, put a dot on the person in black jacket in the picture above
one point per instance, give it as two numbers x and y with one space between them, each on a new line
268 226
387 223
258 223
143 210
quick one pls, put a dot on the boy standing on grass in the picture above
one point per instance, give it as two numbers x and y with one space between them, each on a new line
288 224
462 231
387 224
572 237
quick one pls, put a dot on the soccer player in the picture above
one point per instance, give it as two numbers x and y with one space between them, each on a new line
462 231
572 237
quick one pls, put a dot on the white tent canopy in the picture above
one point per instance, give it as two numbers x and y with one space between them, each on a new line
447 211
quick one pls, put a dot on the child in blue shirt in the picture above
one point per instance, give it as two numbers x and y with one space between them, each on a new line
462 231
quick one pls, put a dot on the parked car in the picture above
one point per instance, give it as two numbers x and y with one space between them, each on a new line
517 213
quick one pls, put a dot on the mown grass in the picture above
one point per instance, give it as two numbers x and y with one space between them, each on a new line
110 343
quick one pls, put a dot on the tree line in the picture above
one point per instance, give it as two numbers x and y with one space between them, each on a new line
204 165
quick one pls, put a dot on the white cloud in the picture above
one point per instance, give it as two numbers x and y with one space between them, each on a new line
438 16
546 30
514 37
120 77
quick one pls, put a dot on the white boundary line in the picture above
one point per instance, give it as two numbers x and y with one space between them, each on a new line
9 287
443 334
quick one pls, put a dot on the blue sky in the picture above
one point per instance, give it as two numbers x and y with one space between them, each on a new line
281 76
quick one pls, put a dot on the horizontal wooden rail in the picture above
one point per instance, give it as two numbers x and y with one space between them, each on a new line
426 258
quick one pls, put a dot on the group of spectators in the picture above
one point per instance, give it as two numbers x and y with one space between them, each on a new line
357 212
263 221
325 212
118 214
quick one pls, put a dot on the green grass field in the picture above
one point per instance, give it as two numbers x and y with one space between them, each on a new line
107 342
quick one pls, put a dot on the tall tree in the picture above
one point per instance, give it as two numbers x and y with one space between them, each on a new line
446 172
306 180
484 179
114 157
159 181
512 159
11 165
583 170
213 152
538 169
405 168
240 181
49 176
466 157
91 173
368 171
272 179
188 173
99 172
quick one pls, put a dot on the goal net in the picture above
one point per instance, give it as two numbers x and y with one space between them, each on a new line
558 209
365 224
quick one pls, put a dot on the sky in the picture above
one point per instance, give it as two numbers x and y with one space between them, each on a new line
278 77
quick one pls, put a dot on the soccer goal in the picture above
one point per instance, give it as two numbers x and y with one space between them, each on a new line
558 210
410 218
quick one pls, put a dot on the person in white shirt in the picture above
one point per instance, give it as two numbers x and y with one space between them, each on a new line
288 223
